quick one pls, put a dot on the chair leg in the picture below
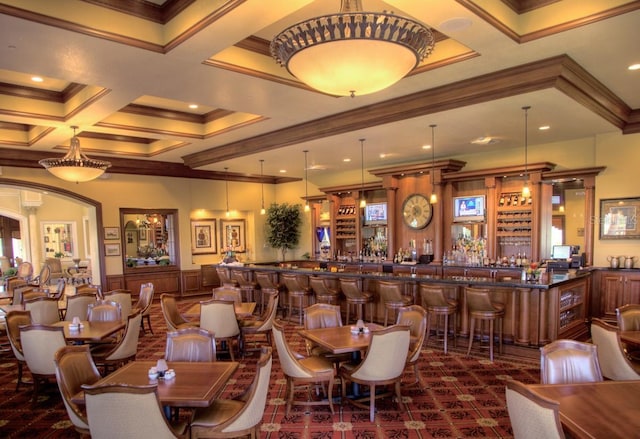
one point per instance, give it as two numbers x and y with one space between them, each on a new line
372 402
491 340
446 331
429 315
472 322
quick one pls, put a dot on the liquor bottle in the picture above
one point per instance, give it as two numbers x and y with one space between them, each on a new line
514 200
501 202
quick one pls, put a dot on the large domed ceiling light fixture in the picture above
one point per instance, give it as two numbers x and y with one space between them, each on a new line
353 52
75 166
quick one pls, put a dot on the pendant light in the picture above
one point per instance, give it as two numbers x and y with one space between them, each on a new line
262 209
363 200
526 192
226 186
306 191
433 199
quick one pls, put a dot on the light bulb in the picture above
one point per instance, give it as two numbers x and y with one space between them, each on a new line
525 190
433 199
363 203
263 211
306 207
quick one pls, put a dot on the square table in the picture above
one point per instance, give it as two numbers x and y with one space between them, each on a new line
91 331
631 337
606 409
243 309
340 340
195 384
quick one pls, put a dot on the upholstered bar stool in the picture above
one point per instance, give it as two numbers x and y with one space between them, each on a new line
322 292
297 291
225 277
482 308
267 288
391 294
354 296
247 286
438 305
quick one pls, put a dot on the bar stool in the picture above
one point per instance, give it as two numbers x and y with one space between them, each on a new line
391 295
356 297
438 305
482 308
225 278
267 287
296 291
322 292
246 285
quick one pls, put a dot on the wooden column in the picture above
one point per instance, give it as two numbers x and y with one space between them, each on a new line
589 215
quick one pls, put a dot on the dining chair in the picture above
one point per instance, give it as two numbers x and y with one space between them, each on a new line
322 292
240 416
128 411
14 283
44 310
42 279
323 315
356 297
415 317
104 311
55 265
172 316
191 345
39 345
123 297
309 371
482 308
391 295
246 285
569 361
628 317
91 289
75 367
296 290
78 306
32 294
219 317
25 271
225 277
383 365
14 320
232 294
260 326
613 362
145 300
532 416
439 306
110 356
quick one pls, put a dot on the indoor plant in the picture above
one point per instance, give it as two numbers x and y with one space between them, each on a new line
283 226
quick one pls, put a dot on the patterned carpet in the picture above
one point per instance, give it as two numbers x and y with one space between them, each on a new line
463 397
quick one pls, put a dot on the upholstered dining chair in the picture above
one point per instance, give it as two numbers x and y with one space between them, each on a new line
240 416
628 317
14 320
39 345
191 345
145 300
252 328
172 316
532 416
78 306
219 317
25 271
44 310
43 278
309 371
75 367
123 297
415 317
613 362
113 355
323 315
569 361
383 364
391 294
55 265
33 294
126 411
228 293
104 311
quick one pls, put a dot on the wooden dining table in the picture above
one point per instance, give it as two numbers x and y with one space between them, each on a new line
606 409
194 384
631 337
90 331
340 340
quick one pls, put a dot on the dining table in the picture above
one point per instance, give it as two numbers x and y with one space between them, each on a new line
605 409
89 332
340 340
631 337
243 309
195 384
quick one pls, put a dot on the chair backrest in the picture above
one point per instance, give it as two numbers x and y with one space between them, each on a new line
78 306
269 315
88 288
170 311
386 355
44 276
219 317
613 361
44 310
39 345
390 291
75 367
322 315
288 362
32 294
318 285
432 295
292 282
25 271
127 346
532 416
241 277
415 317
628 317
264 280
145 298
60 287
56 267
225 278
123 297
350 287
114 410
479 299
104 311
18 292
228 293
569 361
14 320
190 344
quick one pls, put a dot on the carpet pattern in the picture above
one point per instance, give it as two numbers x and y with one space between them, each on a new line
463 396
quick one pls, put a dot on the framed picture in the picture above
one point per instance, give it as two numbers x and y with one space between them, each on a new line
111 233
142 233
232 235
203 237
59 239
112 249
619 218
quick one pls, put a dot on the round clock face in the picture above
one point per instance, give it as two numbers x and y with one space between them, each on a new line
416 211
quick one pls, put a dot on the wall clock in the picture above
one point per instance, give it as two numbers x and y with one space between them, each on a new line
416 211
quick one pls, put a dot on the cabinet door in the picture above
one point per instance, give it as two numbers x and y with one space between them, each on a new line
611 286
631 289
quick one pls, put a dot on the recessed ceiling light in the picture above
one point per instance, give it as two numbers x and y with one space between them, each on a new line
544 127
193 106
347 160
383 155
37 79
634 66
283 171
426 146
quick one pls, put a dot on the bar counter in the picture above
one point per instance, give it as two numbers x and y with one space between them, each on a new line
536 312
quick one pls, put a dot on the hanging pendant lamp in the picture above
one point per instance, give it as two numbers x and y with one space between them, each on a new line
526 192
363 200
433 199
226 187
262 209
307 208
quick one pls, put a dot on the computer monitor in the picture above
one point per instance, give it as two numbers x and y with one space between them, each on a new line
561 252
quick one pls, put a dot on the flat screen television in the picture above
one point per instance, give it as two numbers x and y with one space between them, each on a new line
468 209
375 214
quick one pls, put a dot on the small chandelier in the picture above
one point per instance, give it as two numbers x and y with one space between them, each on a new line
526 192
307 208
363 200
75 166
433 199
262 209
352 52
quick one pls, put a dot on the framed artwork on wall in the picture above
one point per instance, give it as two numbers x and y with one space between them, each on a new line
232 235
112 249
619 218
111 233
203 236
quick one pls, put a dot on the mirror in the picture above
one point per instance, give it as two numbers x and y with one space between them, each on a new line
149 237
568 203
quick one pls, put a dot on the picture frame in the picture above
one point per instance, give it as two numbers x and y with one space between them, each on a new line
112 249
59 239
143 231
233 235
619 218
111 233
204 236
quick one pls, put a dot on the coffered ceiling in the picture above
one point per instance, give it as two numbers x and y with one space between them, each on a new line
126 73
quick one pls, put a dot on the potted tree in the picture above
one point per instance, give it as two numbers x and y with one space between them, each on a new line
283 227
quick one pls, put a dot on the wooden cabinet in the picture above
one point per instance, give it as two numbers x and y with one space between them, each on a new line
572 306
617 288
514 224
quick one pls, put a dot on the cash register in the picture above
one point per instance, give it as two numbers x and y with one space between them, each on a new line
564 257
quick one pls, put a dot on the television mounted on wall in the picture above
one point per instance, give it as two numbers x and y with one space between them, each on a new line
469 209
375 214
